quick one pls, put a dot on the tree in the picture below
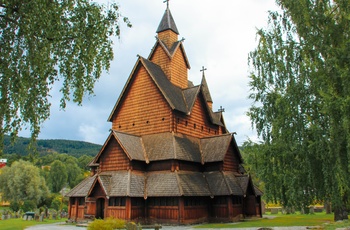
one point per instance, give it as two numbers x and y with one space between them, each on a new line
43 42
299 83
22 182
74 173
58 176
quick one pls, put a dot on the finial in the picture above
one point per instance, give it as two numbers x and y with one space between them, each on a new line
221 109
203 69
167 3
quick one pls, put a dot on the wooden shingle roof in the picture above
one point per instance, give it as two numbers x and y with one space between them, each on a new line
167 23
83 188
131 144
170 146
193 184
215 148
164 184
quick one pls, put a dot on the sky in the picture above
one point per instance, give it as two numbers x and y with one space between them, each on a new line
218 35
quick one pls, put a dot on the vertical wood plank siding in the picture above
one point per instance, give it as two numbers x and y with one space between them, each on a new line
220 211
116 212
114 158
230 161
178 70
144 110
197 124
195 213
163 212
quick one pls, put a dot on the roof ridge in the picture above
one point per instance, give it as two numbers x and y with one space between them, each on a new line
226 182
129 183
179 183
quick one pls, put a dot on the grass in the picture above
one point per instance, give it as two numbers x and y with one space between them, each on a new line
20 224
279 220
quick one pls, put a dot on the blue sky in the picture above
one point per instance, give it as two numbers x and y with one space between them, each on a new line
218 35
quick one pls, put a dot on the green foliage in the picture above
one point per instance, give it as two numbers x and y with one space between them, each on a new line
299 85
43 42
22 182
15 206
107 224
57 176
45 147
28 205
56 203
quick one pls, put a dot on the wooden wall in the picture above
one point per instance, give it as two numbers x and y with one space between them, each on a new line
144 110
178 70
168 37
116 212
163 212
231 162
197 124
114 158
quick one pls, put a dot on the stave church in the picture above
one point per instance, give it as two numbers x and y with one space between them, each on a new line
169 157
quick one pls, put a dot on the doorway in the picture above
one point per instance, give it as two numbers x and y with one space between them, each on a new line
100 208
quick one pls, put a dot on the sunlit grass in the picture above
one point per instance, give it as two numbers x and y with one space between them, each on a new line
20 224
279 220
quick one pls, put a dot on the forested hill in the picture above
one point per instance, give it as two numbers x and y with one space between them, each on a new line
73 148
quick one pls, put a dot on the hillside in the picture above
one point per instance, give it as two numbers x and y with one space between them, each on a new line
73 148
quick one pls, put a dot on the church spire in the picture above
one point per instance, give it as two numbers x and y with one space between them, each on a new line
167 22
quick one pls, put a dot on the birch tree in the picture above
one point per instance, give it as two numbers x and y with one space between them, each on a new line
300 87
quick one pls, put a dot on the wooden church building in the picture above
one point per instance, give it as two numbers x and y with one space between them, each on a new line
168 158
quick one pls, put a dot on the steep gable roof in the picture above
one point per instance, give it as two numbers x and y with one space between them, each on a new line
167 23
178 99
131 144
215 148
83 188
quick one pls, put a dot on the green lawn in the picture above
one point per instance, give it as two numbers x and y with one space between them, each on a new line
20 224
280 220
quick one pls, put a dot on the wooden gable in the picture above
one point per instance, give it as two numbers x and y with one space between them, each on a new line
173 62
112 157
142 108
233 158
198 122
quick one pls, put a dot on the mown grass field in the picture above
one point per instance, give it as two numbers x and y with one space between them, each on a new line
279 220
20 224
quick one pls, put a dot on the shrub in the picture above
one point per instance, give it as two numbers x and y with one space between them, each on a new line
15 206
28 205
107 224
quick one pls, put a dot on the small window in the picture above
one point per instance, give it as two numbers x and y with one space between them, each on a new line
117 201
81 201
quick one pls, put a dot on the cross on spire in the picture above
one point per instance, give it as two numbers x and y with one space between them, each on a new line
221 109
167 3
203 69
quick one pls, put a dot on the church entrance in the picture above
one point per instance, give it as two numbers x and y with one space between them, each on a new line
100 208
